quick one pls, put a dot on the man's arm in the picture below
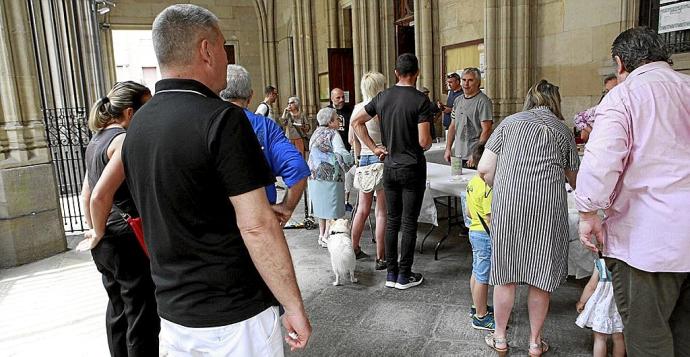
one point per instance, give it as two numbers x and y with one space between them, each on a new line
605 157
424 136
487 126
449 141
268 249
292 197
289 164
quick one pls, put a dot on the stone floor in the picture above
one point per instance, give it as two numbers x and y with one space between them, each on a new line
55 307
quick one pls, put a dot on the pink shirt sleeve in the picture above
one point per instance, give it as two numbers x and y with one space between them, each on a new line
606 155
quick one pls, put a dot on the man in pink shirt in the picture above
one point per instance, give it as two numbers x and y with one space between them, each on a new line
637 168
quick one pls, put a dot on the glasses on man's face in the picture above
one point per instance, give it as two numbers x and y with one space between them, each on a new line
291 103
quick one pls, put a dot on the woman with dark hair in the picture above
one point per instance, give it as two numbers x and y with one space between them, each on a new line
132 322
527 161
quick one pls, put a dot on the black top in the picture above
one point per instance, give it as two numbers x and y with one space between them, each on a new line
344 113
401 109
185 153
96 160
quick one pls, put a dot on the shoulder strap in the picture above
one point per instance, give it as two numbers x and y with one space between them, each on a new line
486 227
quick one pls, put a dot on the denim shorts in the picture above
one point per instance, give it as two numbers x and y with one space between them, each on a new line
481 256
366 160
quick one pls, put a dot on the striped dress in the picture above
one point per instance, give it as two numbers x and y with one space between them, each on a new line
529 209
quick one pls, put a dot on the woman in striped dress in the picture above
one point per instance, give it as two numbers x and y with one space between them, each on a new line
527 160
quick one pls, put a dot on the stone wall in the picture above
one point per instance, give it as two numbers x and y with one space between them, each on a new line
572 45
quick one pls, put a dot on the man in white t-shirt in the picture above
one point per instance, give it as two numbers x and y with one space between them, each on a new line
265 108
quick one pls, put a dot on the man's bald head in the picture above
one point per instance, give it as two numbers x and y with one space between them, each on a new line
338 98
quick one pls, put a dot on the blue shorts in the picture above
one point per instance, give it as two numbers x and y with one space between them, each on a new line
366 160
481 256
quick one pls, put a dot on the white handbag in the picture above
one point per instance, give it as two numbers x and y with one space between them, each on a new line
369 178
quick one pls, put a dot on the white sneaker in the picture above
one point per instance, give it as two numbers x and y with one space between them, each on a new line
323 242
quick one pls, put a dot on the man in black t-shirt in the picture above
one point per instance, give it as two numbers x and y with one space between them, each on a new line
344 112
405 115
197 174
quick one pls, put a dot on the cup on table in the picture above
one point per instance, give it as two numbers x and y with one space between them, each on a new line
455 168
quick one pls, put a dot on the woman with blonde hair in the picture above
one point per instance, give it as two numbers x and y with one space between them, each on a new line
527 160
372 84
132 322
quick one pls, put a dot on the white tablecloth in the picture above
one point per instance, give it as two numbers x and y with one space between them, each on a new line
439 184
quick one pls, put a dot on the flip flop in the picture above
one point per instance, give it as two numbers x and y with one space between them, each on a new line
543 345
491 342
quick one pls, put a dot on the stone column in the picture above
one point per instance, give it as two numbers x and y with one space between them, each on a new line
305 68
424 43
509 68
369 39
30 223
333 25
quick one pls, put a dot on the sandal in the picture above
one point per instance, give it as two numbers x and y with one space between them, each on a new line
491 341
542 346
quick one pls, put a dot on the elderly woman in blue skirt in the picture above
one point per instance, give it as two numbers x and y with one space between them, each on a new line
329 160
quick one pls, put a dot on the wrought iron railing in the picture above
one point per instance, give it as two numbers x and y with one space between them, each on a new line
68 135
678 41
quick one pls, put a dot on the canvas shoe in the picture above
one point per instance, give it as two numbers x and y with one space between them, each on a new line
484 323
407 281
382 265
323 242
473 310
391 279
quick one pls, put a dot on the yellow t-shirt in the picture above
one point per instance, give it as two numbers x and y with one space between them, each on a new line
478 202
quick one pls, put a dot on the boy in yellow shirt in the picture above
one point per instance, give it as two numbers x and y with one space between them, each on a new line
479 208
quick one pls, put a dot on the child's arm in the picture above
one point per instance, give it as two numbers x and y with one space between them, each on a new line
588 291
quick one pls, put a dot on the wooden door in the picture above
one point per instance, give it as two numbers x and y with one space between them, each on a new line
341 72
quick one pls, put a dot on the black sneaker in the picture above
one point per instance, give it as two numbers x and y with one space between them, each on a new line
408 281
361 254
348 207
382 265
391 278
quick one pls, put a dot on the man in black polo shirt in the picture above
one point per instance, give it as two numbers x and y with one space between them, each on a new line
405 115
197 174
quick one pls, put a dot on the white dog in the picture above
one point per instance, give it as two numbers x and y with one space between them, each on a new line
340 247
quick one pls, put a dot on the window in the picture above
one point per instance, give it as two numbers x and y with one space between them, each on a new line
230 52
671 19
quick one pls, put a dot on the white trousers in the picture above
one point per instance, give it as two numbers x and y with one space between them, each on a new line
260 335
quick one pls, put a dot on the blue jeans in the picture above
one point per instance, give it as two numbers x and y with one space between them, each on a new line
481 256
404 188
366 160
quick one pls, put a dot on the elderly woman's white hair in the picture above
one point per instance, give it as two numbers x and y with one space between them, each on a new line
325 115
295 99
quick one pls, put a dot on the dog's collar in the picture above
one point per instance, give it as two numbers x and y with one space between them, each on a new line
339 232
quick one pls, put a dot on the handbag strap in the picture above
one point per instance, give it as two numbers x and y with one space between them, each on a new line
486 227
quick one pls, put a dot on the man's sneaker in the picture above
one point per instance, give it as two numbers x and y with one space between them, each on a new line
361 254
323 242
391 278
484 323
489 309
408 281
382 265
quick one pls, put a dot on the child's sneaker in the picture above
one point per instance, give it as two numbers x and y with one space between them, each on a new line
484 323
391 279
408 281
473 310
